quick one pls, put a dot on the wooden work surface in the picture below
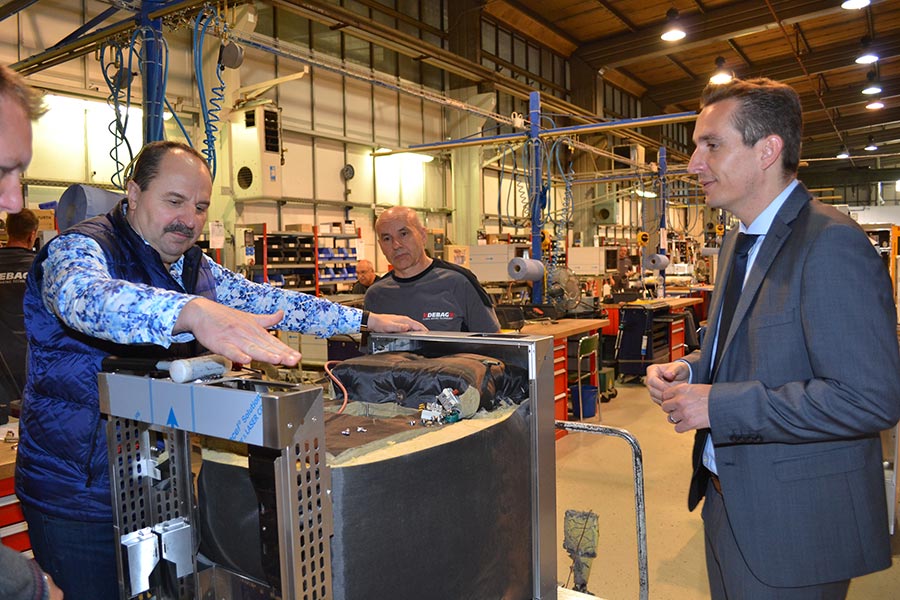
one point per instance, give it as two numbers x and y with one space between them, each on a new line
674 302
564 328
7 460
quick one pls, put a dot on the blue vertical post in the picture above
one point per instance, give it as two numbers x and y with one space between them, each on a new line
664 201
534 116
153 72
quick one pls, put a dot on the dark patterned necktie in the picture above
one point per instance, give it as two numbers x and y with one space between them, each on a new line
733 291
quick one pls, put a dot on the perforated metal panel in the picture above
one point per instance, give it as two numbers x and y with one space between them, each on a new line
152 486
151 483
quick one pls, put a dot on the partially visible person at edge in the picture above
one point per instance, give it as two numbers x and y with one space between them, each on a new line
365 276
15 261
444 296
133 283
788 402
20 578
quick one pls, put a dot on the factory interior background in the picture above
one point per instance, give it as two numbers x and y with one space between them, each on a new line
500 122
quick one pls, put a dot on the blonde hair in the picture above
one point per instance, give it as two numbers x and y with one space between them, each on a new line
13 86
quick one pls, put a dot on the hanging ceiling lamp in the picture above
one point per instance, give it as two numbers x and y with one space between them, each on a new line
721 75
673 31
873 86
867 55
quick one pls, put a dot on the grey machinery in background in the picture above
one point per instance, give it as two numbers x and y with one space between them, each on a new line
150 424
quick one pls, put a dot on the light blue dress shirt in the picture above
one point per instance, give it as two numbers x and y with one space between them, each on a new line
760 227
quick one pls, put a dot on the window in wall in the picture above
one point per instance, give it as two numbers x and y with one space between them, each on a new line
524 59
619 104
325 39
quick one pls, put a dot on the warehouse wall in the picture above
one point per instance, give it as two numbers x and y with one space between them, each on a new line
328 121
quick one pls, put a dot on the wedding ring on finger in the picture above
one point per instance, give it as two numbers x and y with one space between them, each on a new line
672 420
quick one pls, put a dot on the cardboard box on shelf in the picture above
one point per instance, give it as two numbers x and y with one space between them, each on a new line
46 222
301 227
457 255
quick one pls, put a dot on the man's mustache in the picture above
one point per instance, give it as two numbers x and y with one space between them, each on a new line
179 228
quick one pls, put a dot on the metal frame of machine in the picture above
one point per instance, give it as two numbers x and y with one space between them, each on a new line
148 434
150 423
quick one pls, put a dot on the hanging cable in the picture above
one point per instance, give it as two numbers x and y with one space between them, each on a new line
118 81
209 107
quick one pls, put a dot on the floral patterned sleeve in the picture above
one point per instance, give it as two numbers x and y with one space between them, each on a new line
303 312
80 291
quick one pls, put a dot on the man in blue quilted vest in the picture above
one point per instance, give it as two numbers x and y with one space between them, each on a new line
133 283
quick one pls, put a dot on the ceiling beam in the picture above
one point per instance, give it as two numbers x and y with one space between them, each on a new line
870 119
782 69
820 177
14 6
69 49
847 96
722 24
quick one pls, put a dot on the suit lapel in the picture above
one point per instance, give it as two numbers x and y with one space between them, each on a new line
775 238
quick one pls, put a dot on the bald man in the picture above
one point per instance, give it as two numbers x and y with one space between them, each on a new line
441 295
365 276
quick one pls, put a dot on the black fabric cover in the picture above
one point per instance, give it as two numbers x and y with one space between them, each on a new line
411 379
229 518
451 522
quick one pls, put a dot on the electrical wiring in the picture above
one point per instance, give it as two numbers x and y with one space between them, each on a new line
209 107
119 100
337 382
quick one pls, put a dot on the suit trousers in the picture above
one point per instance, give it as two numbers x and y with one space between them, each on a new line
729 576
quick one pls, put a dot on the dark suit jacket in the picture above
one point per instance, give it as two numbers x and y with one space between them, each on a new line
809 377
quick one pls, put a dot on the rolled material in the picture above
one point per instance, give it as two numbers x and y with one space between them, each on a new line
80 202
656 262
525 269
706 251
189 369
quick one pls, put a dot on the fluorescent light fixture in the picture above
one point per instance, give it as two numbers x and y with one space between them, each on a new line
875 104
644 193
844 153
871 146
402 154
721 76
868 55
673 31
854 4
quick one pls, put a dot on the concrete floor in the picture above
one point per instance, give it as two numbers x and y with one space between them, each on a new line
595 473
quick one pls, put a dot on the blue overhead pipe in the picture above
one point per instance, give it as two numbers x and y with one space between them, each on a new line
153 72
534 109
664 201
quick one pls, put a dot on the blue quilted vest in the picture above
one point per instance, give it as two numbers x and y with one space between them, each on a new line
62 466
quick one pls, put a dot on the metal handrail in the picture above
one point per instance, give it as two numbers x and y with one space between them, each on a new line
639 505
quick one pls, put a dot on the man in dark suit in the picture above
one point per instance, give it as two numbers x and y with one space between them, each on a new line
787 449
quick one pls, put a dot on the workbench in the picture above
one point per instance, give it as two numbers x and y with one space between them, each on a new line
676 305
562 331
13 529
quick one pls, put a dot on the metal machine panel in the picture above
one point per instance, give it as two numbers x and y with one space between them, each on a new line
148 428
149 442
535 354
